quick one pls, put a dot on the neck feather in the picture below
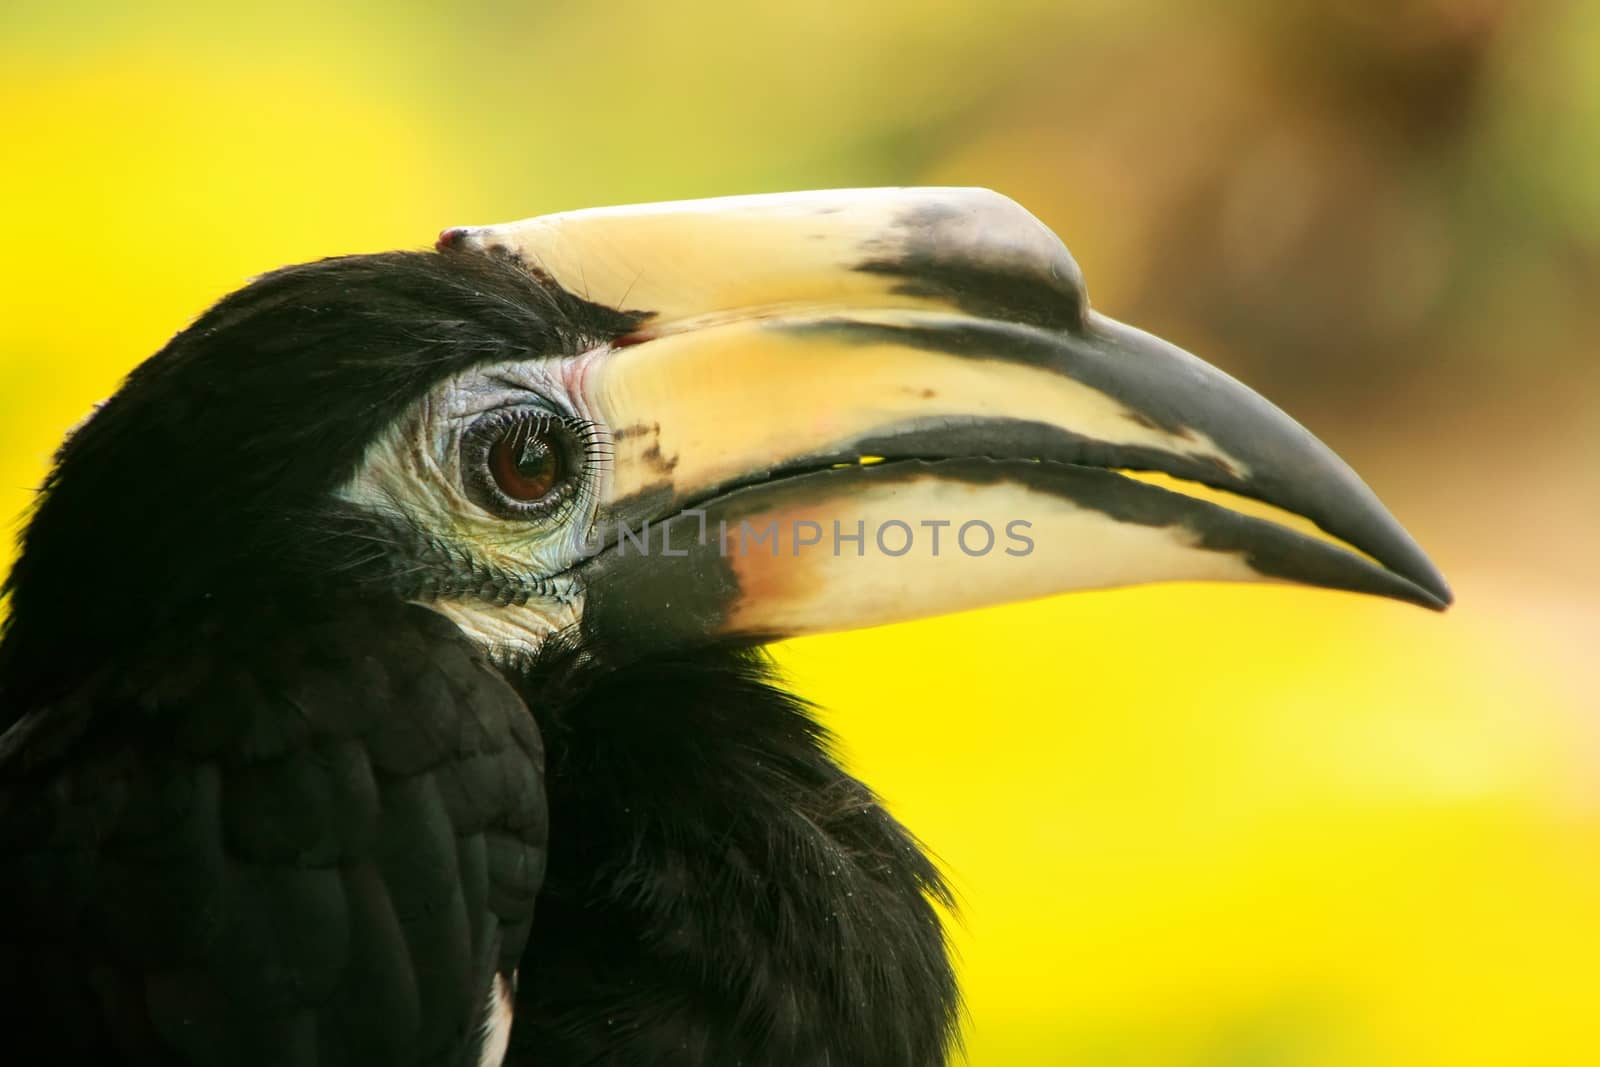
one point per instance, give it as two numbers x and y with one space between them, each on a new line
719 889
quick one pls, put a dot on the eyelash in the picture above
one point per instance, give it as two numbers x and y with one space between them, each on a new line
588 448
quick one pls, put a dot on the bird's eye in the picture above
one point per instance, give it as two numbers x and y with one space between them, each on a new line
521 464
525 463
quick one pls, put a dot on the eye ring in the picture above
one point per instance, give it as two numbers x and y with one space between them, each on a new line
523 464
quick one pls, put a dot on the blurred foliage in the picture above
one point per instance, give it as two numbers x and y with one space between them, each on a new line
1193 826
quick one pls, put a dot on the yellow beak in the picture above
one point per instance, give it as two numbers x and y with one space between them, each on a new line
852 407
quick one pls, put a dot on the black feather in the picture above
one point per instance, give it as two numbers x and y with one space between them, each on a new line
720 891
291 840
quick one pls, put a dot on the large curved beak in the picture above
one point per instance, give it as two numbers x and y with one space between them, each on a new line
854 407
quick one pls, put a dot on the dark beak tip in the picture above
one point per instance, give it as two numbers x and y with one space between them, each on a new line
1425 584
1415 567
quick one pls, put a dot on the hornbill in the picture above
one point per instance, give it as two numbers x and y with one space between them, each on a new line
382 683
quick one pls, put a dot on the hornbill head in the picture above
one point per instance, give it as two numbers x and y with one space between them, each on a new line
711 421
662 433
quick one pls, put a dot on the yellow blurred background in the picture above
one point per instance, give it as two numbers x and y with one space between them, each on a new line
1190 825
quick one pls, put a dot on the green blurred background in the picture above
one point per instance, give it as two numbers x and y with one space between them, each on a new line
1190 825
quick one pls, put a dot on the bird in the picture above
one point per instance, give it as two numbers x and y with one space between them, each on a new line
383 675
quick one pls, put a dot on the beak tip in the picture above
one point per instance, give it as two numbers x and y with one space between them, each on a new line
1421 572
1427 586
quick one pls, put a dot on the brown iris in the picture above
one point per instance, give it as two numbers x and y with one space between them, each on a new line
526 462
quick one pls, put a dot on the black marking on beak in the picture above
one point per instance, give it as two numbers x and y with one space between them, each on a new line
942 255
1160 385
